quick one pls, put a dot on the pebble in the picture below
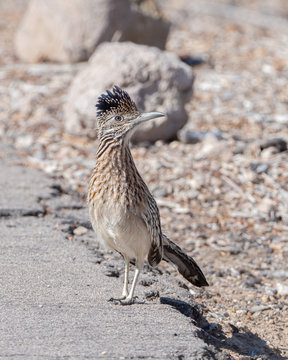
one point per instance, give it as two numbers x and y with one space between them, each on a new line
276 274
24 141
268 153
282 289
250 283
241 312
193 137
160 192
39 155
149 294
281 118
257 308
192 292
50 167
265 205
270 291
259 167
80 230
235 272
211 147
146 281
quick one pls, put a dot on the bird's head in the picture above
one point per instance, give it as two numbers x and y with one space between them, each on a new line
117 114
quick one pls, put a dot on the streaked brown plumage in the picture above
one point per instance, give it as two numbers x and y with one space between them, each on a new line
123 212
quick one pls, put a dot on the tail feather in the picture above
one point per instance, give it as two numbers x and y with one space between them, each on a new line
185 264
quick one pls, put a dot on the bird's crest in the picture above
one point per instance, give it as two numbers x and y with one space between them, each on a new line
116 102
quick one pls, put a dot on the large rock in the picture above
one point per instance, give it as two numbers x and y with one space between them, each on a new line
70 30
156 80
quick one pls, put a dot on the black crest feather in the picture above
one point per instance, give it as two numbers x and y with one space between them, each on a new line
117 101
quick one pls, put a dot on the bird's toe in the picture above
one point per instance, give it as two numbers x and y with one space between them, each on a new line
117 301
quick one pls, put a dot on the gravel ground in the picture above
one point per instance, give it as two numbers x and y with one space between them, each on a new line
224 195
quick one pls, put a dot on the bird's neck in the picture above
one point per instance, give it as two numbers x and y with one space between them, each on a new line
115 173
116 154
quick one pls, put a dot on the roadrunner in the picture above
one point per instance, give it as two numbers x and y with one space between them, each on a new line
123 212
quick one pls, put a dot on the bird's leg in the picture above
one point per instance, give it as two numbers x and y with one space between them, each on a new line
126 280
129 299
125 286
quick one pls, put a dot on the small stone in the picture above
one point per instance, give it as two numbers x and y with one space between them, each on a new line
150 294
39 155
192 292
281 118
275 274
268 153
146 281
258 308
211 147
80 230
270 291
250 283
50 168
268 69
24 142
160 192
235 272
259 167
265 205
193 137
282 289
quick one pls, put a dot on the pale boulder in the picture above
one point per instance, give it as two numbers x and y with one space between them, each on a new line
156 80
70 30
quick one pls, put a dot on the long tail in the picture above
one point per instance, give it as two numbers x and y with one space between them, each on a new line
185 264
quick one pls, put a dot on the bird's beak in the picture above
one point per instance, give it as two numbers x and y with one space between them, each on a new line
147 116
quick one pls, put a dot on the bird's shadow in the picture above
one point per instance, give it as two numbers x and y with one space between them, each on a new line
244 343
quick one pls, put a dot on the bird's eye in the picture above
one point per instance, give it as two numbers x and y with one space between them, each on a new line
118 118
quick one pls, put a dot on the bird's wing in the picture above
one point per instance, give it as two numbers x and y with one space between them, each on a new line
151 218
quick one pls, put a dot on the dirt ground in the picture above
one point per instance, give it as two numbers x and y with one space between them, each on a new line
224 198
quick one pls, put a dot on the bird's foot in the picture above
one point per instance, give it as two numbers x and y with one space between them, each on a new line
117 300
128 300
123 300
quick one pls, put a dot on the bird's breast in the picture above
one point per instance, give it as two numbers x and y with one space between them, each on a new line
115 189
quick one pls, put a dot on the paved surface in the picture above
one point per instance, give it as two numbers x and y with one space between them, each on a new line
54 285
